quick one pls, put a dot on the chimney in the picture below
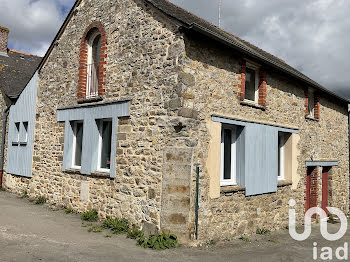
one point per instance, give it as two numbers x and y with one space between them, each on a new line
4 35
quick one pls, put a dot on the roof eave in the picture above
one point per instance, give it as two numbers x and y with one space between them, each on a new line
252 53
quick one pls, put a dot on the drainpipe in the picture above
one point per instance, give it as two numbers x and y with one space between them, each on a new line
3 138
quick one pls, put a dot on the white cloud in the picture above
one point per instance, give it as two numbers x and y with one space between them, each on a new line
32 24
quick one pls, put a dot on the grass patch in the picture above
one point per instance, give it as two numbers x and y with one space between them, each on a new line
91 216
211 242
69 210
262 231
95 229
116 225
122 226
245 239
159 241
108 235
40 200
24 194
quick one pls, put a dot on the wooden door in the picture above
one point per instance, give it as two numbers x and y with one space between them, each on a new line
308 188
325 190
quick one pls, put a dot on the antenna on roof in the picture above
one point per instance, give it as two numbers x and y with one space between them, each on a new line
219 13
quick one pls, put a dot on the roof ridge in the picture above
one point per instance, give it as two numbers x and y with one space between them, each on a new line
227 32
23 53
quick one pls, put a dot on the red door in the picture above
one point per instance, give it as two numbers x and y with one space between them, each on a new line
324 202
308 188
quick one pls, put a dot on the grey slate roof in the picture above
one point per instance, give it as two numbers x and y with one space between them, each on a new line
15 72
193 22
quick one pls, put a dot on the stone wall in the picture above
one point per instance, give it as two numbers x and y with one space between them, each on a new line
144 51
214 71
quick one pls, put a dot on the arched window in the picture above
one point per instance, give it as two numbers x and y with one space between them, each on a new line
92 62
94 50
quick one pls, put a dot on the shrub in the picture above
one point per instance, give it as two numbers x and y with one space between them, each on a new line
41 200
159 241
91 216
118 226
135 232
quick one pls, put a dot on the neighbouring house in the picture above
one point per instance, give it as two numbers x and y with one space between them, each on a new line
132 96
16 69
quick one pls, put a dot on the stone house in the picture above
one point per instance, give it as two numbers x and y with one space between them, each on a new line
16 69
134 95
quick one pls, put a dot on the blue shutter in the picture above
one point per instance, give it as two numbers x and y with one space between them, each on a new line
240 155
261 158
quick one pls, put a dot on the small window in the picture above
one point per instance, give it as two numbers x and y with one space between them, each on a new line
77 143
281 155
228 156
251 83
105 141
311 102
16 133
25 132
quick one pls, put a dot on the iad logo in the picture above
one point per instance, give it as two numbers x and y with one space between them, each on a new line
326 252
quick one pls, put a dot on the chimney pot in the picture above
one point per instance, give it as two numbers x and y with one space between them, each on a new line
4 35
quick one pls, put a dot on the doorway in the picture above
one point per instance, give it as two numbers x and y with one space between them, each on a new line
325 188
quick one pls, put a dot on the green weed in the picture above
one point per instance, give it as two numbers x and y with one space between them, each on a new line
91 216
40 200
159 241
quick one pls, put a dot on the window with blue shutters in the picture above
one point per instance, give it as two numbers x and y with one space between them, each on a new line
253 155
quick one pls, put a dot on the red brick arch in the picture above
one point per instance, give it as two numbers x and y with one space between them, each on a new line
83 60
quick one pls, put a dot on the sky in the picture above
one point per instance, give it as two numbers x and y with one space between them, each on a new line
310 35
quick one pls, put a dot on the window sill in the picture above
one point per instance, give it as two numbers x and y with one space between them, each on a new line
90 100
283 183
312 118
252 104
95 174
19 143
231 189
228 190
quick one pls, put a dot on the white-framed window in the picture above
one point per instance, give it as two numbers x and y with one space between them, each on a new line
251 92
17 132
281 155
94 52
311 102
78 131
228 155
104 145
25 132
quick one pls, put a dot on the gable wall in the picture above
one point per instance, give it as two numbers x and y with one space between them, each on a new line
144 51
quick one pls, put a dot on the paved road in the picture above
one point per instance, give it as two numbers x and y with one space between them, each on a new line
30 232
